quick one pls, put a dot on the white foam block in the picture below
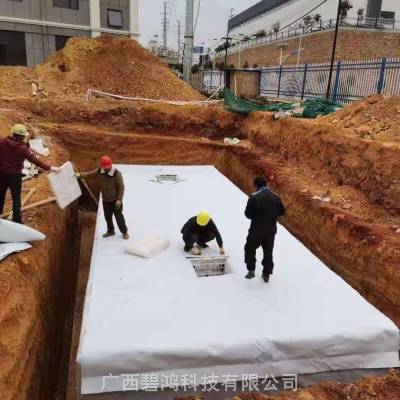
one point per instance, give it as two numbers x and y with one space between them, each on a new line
65 186
157 316
147 247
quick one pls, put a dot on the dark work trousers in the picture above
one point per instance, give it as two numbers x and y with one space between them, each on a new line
254 241
14 183
109 211
193 238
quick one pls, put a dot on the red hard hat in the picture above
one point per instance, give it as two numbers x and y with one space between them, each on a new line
106 162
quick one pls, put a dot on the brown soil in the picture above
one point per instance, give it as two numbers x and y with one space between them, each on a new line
376 117
116 65
358 229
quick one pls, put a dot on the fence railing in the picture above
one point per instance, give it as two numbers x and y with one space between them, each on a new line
351 81
208 81
316 26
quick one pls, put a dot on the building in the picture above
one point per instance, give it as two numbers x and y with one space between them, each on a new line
30 30
268 14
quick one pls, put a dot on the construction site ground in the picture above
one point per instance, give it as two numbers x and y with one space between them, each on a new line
338 176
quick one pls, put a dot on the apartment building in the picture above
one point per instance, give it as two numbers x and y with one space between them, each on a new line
30 30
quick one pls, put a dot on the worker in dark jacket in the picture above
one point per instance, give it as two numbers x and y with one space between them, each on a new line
111 185
200 230
263 209
14 150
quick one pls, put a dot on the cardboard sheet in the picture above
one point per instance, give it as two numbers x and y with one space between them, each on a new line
65 186
157 317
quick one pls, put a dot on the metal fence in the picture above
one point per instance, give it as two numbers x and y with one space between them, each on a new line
379 24
351 81
208 81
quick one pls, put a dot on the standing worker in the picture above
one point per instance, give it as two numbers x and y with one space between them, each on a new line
263 209
200 230
13 152
112 188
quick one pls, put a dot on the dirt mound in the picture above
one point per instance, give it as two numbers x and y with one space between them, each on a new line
376 117
117 65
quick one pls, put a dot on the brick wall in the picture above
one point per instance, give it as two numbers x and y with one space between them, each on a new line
353 44
245 84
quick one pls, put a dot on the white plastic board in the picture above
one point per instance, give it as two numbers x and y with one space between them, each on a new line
11 232
65 186
156 316
7 249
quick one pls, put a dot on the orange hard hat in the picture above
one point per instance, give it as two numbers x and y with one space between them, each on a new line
106 162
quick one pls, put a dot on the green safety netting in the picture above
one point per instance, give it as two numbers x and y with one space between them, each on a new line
311 107
318 106
236 104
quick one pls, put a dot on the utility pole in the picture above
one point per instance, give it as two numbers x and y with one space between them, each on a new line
189 39
328 90
165 24
227 38
179 38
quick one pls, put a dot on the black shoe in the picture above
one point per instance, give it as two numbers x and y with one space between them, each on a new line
250 275
108 234
203 245
266 278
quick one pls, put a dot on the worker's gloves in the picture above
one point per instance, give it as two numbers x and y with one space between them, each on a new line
222 251
118 204
56 169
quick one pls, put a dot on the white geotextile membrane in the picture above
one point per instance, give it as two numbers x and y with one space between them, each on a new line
156 316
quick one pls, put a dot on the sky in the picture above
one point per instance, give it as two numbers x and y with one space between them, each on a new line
212 20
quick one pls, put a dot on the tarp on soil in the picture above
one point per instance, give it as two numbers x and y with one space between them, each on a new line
236 104
312 108
157 317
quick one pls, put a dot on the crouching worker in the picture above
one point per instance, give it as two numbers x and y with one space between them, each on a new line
13 152
200 230
263 209
111 185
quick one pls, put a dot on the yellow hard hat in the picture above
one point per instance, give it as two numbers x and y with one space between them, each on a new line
19 129
203 218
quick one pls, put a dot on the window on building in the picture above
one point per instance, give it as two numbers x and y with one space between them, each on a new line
71 4
114 18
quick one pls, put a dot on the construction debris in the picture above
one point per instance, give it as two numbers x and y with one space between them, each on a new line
231 141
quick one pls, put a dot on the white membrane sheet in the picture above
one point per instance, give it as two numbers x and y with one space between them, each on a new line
156 316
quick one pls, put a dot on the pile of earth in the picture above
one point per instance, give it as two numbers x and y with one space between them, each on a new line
376 117
117 65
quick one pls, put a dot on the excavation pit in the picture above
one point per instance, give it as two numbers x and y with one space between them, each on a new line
155 317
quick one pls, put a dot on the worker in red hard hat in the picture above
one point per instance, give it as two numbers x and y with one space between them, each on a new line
111 185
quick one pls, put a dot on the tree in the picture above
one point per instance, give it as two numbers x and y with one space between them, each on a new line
307 20
345 7
276 26
255 65
195 69
261 33
208 64
246 65
246 39
317 17
360 13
